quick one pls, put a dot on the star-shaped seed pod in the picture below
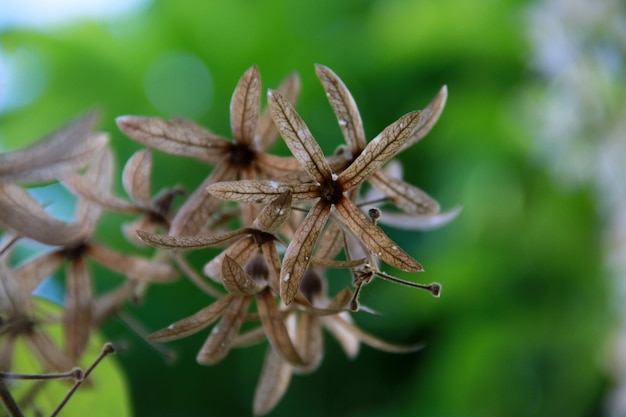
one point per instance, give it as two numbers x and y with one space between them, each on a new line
328 189
244 157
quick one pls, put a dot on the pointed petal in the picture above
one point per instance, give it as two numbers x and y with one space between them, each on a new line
298 254
245 106
374 341
272 260
272 217
417 222
193 323
275 328
14 300
48 352
136 177
298 137
106 305
374 238
275 166
33 271
405 196
430 115
68 149
175 137
100 175
241 252
261 192
250 337
21 213
189 242
349 342
330 246
78 307
84 189
345 109
309 341
273 383
266 132
236 280
380 150
200 205
133 267
219 342
7 347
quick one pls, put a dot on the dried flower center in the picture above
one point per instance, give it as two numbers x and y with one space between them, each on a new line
241 155
331 191
75 252
311 285
18 325
257 269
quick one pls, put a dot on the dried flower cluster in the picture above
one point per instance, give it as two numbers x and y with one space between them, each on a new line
296 216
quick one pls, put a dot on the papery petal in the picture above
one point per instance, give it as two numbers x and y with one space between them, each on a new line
380 150
133 267
430 115
34 270
48 352
236 280
374 238
136 177
418 222
276 166
345 109
298 137
272 217
273 383
175 137
309 341
78 301
200 205
374 341
219 342
261 192
189 242
241 252
68 149
193 323
405 196
245 106
20 213
275 328
300 249
266 132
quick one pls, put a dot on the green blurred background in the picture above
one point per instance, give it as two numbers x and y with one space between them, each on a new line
523 327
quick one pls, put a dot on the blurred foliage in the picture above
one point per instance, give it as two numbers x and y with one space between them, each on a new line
520 329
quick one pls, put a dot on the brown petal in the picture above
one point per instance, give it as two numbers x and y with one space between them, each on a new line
273 383
374 341
275 328
133 267
78 307
219 342
405 196
374 238
298 137
85 189
298 254
108 304
345 108
7 347
330 246
136 177
20 213
33 271
417 222
236 280
309 341
430 115
272 260
266 132
275 166
200 205
48 352
189 242
193 323
13 297
250 337
348 340
262 192
70 148
100 175
175 137
241 251
380 150
272 217
245 106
